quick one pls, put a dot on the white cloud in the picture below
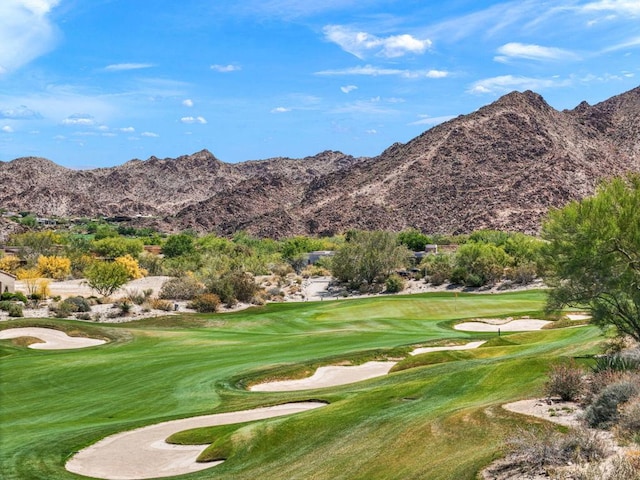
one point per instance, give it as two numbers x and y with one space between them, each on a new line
119 67
427 120
79 119
362 43
507 83
26 32
370 70
149 134
225 68
437 74
621 7
373 131
631 43
280 110
7 129
19 113
187 102
532 52
199 119
127 129
348 88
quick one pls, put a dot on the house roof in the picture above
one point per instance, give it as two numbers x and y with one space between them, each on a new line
8 274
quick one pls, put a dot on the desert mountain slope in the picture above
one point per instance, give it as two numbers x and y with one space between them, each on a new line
502 166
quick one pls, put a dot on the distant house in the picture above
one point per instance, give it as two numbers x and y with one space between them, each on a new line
313 257
7 282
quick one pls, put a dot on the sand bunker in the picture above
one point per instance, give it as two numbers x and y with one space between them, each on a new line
331 376
466 346
578 316
334 376
522 325
143 453
52 339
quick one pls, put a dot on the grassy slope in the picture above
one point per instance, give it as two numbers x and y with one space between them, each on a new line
435 421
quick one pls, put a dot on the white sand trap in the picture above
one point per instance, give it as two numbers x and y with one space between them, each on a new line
331 376
334 376
523 325
466 346
143 453
578 316
52 339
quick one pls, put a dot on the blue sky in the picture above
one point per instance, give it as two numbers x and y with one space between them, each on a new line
96 83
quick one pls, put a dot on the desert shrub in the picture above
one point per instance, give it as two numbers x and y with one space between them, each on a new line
458 275
474 280
124 306
565 381
9 263
622 361
54 266
181 288
483 262
16 297
233 287
622 467
315 271
151 263
12 308
629 420
160 304
438 268
132 267
83 316
533 449
137 297
394 284
62 309
80 304
206 303
524 273
603 412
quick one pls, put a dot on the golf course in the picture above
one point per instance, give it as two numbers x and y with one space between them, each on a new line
435 415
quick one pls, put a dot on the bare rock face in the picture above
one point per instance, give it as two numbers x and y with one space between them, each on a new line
502 166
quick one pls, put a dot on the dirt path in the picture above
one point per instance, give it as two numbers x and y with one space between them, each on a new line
143 453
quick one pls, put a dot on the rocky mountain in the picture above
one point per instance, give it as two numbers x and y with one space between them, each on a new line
502 166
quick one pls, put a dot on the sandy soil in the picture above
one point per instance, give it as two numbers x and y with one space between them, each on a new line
143 453
52 339
493 325
70 288
556 411
578 316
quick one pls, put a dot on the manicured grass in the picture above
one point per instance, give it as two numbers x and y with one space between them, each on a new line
439 419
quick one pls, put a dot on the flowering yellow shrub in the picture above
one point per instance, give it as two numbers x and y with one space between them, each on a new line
9 263
30 277
131 265
54 267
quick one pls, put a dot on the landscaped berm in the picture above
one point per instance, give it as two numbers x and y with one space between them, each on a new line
436 415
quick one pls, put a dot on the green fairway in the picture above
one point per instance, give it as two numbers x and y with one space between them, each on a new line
436 417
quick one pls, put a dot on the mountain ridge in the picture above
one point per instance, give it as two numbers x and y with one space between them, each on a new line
502 166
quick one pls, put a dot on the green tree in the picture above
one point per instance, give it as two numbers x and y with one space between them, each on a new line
177 245
369 256
593 255
414 239
484 263
113 247
106 277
